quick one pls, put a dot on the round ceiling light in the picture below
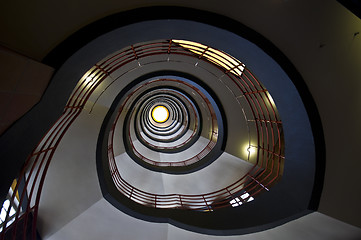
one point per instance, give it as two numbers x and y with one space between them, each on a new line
160 114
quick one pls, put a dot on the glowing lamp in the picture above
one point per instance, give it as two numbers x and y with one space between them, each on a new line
160 114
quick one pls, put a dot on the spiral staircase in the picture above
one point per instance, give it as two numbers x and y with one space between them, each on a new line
229 156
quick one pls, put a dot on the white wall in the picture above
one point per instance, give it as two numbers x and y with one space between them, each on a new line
103 221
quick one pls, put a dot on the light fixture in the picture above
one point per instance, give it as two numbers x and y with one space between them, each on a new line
160 114
251 150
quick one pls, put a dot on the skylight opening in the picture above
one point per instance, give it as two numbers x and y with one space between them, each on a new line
160 114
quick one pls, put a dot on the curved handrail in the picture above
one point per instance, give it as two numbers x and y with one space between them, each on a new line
259 101
264 120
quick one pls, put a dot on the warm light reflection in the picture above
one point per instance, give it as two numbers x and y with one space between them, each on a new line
271 99
217 57
160 114
89 79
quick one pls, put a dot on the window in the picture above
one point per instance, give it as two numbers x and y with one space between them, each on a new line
242 199
9 208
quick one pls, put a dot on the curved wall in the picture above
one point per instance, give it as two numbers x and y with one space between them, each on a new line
295 190
297 128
